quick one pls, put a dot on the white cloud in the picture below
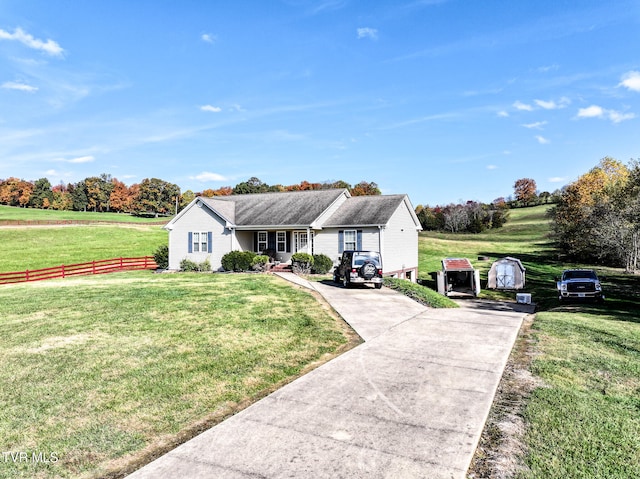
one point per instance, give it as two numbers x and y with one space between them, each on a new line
518 105
557 179
51 172
10 85
552 105
206 37
368 33
535 126
49 47
492 167
503 114
207 176
617 117
595 111
214 109
631 80
82 159
542 140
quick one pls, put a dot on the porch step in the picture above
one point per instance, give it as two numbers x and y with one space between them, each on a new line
282 267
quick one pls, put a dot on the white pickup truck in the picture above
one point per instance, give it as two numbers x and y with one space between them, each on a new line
579 284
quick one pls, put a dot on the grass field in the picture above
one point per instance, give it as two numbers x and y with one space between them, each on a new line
35 247
23 214
584 422
102 372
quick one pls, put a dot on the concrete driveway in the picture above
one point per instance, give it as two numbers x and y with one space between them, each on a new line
410 402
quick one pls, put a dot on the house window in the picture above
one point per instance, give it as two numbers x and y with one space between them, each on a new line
281 241
262 241
350 240
199 242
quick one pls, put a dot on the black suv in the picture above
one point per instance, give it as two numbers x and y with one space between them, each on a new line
579 284
359 267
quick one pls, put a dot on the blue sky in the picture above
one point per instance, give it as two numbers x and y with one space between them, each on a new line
446 101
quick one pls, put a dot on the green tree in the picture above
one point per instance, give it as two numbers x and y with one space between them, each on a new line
41 196
156 197
78 192
98 190
252 185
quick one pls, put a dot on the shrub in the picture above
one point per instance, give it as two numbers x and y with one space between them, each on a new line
301 263
237 260
161 256
322 264
188 265
419 293
259 263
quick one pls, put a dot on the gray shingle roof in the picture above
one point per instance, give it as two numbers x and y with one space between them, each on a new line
296 208
365 211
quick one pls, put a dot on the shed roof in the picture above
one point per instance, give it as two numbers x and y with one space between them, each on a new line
457 264
510 259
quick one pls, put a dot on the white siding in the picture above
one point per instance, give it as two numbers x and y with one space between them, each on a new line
326 241
400 248
198 219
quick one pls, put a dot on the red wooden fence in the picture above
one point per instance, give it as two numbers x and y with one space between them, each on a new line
93 267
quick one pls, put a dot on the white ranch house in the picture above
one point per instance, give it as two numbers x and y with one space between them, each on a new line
316 221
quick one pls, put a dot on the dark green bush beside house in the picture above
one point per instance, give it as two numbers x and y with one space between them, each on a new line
322 264
161 256
238 260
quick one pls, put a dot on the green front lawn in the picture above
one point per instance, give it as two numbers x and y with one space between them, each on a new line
584 421
43 247
101 372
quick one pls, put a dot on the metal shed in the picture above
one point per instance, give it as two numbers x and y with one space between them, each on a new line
506 273
458 276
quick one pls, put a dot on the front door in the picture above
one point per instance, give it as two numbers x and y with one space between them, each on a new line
301 242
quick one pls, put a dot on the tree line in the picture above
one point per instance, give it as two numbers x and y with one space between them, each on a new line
597 218
152 196
469 217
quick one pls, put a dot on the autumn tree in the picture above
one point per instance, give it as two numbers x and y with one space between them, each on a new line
597 216
120 199
525 190
365 188
61 198
15 192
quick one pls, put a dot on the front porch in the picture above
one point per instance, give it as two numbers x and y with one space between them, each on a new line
279 245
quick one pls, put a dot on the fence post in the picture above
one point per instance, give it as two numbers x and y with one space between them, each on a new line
62 269
93 269
121 264
26 273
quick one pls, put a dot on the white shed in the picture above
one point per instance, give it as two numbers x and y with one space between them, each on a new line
506 273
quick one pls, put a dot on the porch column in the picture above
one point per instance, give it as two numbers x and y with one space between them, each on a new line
381 244
308 240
